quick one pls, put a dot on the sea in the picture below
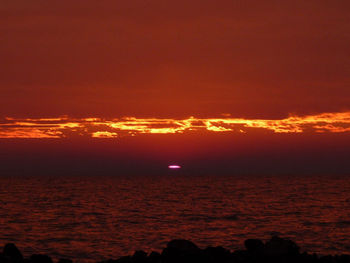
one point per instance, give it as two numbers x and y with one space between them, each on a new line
94 218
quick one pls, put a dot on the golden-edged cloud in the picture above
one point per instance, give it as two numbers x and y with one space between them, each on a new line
65 127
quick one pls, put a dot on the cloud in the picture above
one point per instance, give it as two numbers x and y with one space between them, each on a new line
104 134
65 127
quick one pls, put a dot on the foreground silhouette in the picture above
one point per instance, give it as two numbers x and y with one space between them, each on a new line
276 250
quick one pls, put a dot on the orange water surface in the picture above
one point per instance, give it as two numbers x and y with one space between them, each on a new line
89 218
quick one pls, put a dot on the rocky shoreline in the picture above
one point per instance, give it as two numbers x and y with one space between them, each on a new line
275 250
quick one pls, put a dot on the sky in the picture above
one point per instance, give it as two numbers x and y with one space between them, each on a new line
217 86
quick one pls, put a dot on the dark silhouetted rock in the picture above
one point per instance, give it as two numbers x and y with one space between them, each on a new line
276 250
254 246
2 258
12 253
154 257
113 260
239 256
139 256
307 258
216 254
327 259
39 258
181 250
344 259
278 247
182 245
126 259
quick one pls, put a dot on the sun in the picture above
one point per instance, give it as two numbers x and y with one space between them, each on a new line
174 166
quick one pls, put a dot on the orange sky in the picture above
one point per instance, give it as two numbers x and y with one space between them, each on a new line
263 63
174 58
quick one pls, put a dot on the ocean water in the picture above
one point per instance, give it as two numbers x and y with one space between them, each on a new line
90 218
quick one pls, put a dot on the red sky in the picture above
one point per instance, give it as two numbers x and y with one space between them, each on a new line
176 59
